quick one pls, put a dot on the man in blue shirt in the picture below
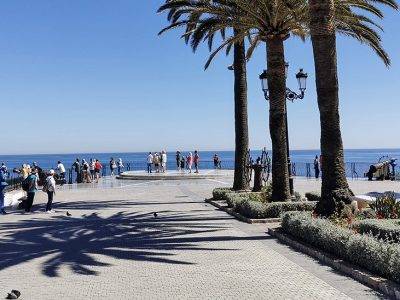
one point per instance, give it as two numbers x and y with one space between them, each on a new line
32 179
3 185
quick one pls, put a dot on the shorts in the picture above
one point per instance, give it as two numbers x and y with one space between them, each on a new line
96 170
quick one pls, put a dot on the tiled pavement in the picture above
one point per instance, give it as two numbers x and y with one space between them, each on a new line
112 247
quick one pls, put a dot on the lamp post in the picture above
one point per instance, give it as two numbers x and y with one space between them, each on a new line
291 96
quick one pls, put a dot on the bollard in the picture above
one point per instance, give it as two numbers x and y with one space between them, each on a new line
258 182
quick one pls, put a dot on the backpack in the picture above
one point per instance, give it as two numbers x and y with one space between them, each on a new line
26 184
45 187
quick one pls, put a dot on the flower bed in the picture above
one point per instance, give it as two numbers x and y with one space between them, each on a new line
366 251
387 230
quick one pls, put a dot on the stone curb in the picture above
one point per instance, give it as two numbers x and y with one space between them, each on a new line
385 286
239 216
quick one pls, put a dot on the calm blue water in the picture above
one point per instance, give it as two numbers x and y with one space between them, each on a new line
137 161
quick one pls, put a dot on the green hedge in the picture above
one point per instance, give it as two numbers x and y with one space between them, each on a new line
220 193
257 210
313 196
387 230
366 251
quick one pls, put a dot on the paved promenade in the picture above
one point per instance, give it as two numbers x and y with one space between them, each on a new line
112 247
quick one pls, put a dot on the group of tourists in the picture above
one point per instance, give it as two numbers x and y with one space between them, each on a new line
31 178
157 162
187 162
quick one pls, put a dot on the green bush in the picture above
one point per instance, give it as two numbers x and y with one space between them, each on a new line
257 210
366 251
297 197
313 196
387 230
220 193
233 199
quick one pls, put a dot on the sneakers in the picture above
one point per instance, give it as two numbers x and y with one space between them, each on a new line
50 211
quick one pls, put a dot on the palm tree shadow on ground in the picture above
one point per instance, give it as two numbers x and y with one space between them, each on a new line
78 243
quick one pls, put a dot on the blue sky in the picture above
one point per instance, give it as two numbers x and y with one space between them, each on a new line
93 76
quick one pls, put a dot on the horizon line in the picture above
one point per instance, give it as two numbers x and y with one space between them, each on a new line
131 152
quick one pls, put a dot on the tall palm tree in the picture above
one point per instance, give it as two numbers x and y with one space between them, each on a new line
240 83
325 21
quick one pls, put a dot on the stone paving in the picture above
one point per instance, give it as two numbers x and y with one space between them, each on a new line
112 247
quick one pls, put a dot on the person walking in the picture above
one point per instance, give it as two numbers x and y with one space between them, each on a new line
77 166
97 169
182 163
189 162
32 189
178 160
3 185
316 167
50 188
163 161
61 172
196 160
150 159
120 166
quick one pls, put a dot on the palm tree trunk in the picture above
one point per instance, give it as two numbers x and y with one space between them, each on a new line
335 190
277 115
241 122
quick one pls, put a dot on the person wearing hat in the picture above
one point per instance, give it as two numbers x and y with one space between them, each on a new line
32 189
3 185
50 188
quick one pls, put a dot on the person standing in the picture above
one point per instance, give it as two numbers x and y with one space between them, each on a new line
86 172
120 166
178 160
3 185
316 167
196 160
189 162
50 186
163 161
150 159
77 167
183 163
156 161
32 189
216 161
61 171
97 169
91 168
4 169
113 166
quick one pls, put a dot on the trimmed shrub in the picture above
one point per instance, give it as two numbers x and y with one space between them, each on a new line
386 206
297 197
233 199
220 193
366 251
387 230
257 210
313 196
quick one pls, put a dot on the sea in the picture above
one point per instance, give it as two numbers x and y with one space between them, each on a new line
357 160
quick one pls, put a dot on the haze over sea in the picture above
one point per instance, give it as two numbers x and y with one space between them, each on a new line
137 160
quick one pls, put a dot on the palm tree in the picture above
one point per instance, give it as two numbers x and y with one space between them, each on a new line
325 20
240 83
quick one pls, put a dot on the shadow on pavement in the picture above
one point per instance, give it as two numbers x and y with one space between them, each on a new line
77 242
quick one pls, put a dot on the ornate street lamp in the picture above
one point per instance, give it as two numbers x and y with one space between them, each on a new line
291 96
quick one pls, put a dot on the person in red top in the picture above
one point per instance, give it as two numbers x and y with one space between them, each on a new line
97 169
196 160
